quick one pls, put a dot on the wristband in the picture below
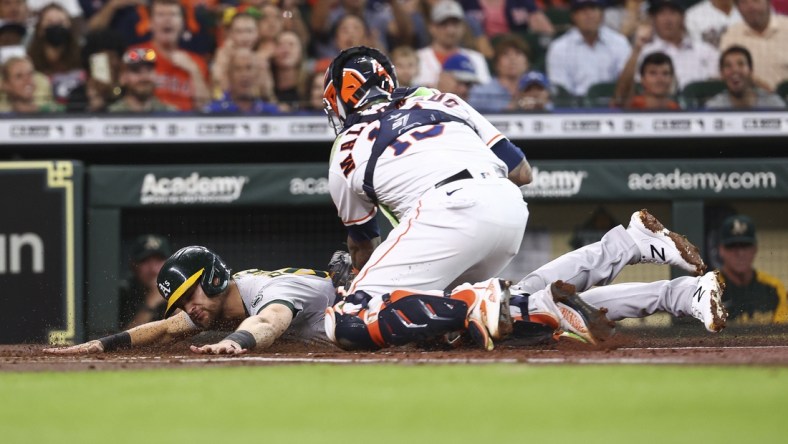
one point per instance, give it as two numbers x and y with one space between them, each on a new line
243 338
116 341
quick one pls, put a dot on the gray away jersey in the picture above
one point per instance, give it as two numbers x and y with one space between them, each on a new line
307 292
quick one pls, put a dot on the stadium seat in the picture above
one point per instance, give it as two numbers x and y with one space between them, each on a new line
562 98
560 18
782 90
538 46
695 94
600 95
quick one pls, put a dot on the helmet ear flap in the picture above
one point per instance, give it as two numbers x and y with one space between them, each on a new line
216 278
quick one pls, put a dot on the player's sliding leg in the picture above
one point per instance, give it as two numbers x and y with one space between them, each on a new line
646 240
700 297
556 309
361 322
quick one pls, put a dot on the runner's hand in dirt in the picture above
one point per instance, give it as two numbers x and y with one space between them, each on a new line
79 349
224 347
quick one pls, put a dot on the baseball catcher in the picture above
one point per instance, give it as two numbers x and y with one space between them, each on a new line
448 179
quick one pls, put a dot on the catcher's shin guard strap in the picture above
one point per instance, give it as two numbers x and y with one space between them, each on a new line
416 317
520 301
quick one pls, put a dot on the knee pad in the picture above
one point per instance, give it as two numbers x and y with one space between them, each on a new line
408 317
349 332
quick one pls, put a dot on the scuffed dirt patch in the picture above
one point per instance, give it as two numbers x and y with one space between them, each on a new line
682 345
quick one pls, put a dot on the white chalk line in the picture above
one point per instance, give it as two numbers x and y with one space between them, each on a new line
750 347
368 361
390 359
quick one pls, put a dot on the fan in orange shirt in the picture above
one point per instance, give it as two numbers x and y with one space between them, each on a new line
658 80
181 76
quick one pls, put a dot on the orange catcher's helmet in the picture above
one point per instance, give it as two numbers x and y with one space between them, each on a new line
356 77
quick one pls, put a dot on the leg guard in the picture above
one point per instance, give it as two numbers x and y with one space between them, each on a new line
348 330
407 317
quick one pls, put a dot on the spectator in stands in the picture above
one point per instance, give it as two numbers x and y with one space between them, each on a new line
406 62
657 80
242 33
588 53
533 93
624 16
510 63
15 11
709 19
496 17
350 31
275 18
751 296
20 89
140 301
316 92
137 78
12 39
270 26
54 50
12 36
243 94
416 14
122 16
71 6
458 76
181 76
389 23
736 70
447 27
289 72
101 59
765 35
693 60
133 20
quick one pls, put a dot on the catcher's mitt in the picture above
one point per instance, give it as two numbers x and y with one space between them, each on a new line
340 268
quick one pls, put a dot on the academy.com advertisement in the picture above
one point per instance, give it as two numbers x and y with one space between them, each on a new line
306 184
716 182
658 179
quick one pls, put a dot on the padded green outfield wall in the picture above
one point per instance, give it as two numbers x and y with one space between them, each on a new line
281 214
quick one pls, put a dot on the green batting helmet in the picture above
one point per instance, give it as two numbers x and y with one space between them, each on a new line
188 266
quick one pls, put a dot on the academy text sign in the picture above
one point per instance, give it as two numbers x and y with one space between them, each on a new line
668 179
307 184
148 186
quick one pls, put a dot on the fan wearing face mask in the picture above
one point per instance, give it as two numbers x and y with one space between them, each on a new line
54 50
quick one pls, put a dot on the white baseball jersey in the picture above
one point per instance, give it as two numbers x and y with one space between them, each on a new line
466 230
428 155
306 292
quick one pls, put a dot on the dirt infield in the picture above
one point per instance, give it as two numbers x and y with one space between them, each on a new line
676 346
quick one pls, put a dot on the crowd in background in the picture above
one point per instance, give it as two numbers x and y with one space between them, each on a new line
269 56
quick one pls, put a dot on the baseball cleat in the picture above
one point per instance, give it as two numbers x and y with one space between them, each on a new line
579 317
659 245
567 336
707 302
489 317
